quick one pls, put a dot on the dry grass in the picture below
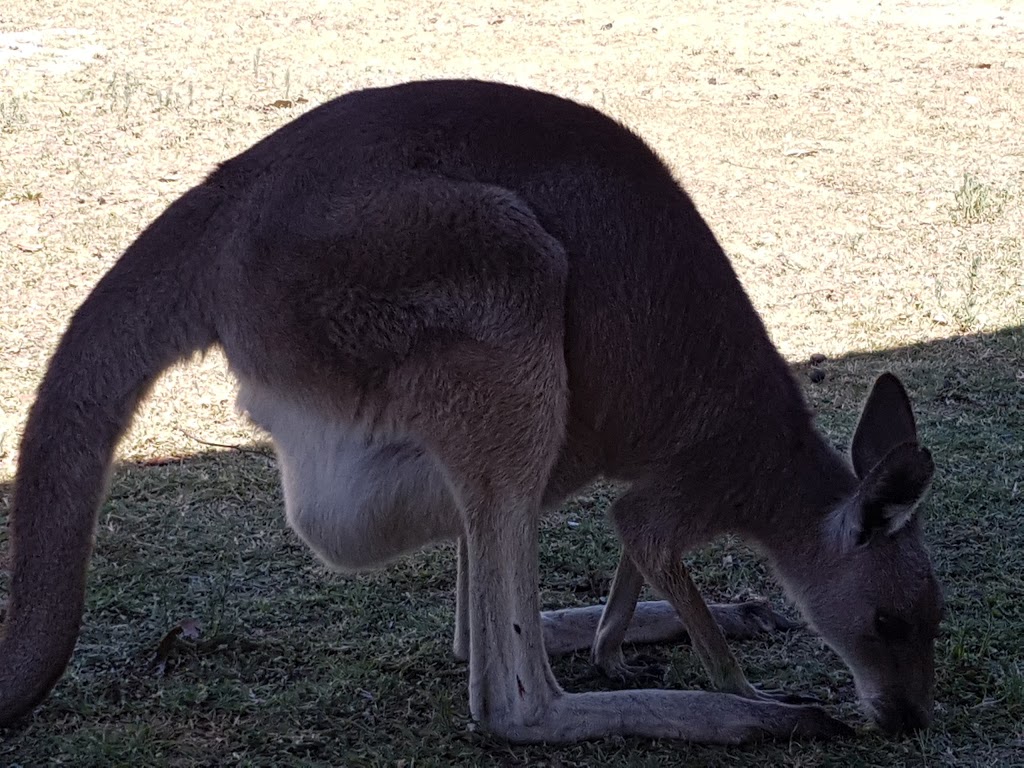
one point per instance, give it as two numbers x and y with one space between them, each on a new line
863 165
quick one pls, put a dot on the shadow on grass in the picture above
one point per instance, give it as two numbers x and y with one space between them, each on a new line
297 666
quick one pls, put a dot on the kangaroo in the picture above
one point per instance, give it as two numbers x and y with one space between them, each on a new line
452 304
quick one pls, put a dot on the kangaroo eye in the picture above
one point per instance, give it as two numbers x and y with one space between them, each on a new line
891 628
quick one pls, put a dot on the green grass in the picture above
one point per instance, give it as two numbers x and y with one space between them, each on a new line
297 666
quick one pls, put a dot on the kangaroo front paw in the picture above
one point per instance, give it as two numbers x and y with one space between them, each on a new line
732 680
645 671
816 723
783 697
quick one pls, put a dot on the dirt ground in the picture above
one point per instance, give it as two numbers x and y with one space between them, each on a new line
862 162
824 142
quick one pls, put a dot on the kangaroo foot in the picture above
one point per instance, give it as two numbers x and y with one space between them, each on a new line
750 619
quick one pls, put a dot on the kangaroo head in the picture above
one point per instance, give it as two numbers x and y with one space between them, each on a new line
869 588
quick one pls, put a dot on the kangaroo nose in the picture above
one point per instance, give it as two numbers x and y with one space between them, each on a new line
901 717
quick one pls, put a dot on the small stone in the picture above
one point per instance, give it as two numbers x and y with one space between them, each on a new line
817 358
816 375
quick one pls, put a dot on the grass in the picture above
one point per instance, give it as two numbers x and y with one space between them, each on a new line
11 116
296 666
863 171
975 201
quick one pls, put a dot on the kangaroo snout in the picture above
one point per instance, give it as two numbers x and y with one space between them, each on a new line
897 716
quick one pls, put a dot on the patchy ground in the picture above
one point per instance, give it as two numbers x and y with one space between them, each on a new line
863 164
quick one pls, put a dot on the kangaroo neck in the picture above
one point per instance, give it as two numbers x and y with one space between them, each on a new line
812 480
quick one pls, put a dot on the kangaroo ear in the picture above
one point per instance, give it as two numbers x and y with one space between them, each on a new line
886 421
889 495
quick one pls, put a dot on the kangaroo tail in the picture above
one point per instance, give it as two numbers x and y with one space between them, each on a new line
152 309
